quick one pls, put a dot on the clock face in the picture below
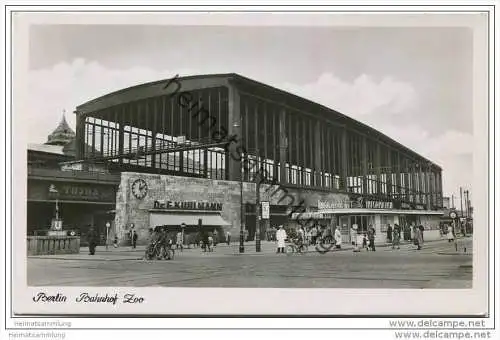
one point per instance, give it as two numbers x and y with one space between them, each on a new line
139 188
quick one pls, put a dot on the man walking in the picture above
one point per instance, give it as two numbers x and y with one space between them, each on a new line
134 239
92 239
389 233
371 238
396 236
419 236
314 235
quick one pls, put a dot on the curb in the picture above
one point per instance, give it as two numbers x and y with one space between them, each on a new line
456 254
82 259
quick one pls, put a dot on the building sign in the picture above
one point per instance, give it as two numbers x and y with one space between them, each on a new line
378 205
336 204
265 210
187 205
357 203
71 192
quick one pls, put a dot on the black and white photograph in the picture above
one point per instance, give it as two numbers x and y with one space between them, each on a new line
202 151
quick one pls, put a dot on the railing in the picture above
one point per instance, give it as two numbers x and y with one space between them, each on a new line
159 147
53 245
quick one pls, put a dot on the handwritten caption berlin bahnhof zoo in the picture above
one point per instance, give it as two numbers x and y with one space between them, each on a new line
42 297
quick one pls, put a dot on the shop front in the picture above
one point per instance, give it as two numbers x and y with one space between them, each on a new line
189 218
364 212
177 204
79 206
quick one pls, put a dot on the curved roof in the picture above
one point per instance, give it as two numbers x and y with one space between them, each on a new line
161 87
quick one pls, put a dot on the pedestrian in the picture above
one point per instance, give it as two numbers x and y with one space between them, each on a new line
314 234
179 241
450 234
280 238
92 239
407 232
210 242
338 237
215 235
365 241
389 233
396 236
301 234
354 235
419 236
134 239
371 238
228 237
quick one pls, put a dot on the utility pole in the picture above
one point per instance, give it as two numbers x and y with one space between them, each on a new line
467 204
461 205
452 201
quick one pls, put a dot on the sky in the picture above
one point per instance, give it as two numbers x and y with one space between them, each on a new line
412 84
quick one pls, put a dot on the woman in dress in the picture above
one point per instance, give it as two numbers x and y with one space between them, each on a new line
450 235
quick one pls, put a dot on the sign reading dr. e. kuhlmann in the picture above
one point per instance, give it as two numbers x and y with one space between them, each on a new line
187 205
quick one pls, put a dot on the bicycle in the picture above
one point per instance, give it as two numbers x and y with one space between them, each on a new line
158 251
296 247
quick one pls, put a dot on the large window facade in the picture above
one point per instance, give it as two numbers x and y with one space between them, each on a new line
298 144
144 135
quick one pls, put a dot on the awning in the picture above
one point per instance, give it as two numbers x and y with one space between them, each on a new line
157 219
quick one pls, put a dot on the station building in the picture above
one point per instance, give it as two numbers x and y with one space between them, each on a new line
206 149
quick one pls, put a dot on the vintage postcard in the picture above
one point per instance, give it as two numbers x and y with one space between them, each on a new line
250 163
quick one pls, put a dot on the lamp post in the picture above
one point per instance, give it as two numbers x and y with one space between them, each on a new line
108 225
237 125
257 208
242 213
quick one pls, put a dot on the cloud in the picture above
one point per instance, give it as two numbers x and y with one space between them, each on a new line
363 97
67 85
389 105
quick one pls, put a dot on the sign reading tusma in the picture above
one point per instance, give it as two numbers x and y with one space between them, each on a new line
187 205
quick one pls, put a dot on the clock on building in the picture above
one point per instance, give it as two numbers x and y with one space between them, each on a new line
139 188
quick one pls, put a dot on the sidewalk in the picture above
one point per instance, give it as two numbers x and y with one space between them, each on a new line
267 247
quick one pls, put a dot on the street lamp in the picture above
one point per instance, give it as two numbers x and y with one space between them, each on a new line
237 125
108 225
257 208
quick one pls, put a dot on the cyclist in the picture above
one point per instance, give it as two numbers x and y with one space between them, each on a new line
299 241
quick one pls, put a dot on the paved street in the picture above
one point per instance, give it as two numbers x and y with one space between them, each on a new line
438 265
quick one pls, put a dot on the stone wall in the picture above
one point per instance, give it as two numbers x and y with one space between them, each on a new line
130 210
52 245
